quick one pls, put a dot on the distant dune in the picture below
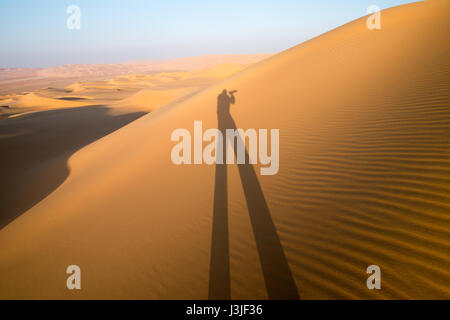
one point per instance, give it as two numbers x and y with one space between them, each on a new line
141 92
364 179
32 100
24 79
201 62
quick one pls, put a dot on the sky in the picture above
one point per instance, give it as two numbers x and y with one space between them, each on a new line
35 33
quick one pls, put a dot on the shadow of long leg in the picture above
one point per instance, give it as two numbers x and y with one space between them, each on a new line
278 278
219 282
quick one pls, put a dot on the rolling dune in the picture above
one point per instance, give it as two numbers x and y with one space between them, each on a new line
32 100
135 92
364 119
153 99
16 80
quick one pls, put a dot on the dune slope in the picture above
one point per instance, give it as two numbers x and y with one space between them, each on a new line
364 179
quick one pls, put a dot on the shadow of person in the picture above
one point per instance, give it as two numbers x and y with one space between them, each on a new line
276 272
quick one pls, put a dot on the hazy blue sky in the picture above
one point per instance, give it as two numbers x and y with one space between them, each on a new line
34 33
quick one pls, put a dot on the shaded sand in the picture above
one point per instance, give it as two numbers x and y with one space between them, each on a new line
364 179
35 149
36 143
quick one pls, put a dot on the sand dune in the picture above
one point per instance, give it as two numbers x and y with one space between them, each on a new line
32 100
18 105
364 179
27 79
201 62
141 92
220 71
151 100
35 148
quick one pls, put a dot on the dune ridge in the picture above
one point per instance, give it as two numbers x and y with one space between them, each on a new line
14 80
140 92
364 177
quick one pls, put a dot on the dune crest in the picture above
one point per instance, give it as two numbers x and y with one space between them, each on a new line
14 80
364 179
140 92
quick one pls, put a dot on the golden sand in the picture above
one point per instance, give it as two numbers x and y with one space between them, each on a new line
364 179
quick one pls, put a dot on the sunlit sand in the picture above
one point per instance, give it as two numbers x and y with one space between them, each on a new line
363 178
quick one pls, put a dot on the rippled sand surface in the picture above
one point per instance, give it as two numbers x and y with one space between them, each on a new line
364 119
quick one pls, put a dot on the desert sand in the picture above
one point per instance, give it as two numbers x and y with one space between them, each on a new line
16 80
46 126
364 179
141 91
